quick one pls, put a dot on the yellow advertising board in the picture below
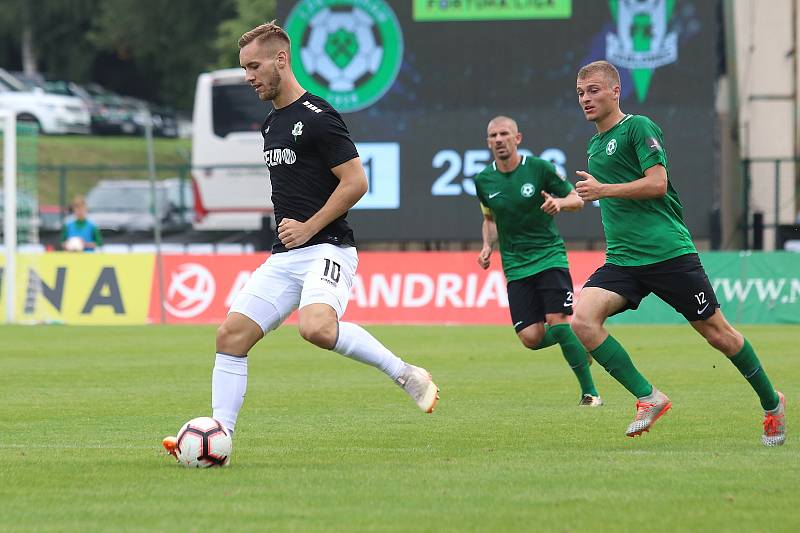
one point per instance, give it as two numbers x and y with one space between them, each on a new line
82 288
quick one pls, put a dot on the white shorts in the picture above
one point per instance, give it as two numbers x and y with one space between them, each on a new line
322 273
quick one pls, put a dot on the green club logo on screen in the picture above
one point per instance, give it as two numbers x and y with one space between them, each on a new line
346 51
642 42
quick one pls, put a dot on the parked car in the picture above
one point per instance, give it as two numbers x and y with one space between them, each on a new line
124 206
112 113
181 198
165 121
52 113
49 217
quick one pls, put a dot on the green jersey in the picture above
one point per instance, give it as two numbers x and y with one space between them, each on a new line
638 232
529 240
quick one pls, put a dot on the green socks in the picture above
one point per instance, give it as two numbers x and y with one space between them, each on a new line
575 355
618 363
748 364
548 339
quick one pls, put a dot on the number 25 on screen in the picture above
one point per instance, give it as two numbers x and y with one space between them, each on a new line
456 176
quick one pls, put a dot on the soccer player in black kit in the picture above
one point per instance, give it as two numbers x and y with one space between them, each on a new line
316 177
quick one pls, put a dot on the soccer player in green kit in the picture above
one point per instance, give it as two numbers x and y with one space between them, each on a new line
649 249
519 196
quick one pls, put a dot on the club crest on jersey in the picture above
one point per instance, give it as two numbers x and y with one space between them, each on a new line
527 190
611 147
297 130
279 156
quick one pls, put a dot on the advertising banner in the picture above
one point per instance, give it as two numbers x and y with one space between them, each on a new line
439 288
752 288
449 287
390 287
70 288
510 10
199 289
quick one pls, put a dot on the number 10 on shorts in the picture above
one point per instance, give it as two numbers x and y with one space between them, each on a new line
333 270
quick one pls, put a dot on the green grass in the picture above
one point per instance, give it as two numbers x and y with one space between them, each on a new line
326 444
71 151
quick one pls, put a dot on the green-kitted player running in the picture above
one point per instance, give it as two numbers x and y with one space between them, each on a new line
519 196
649 249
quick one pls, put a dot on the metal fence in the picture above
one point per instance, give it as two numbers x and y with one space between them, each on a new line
770 195
72 180
771 192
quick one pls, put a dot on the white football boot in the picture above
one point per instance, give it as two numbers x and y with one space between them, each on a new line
648 412
418 383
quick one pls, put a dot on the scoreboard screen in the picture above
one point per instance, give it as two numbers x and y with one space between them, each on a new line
417 82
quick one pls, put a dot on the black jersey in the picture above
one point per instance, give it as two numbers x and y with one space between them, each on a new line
302 143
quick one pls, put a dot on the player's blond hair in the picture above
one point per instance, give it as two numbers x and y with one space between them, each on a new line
606 69
266 33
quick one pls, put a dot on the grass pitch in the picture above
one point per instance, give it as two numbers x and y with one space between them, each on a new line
327 444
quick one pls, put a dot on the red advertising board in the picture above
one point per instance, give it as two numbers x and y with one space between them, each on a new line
390 287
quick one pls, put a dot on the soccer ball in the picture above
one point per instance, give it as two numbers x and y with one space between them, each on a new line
341 48
74 244
203 442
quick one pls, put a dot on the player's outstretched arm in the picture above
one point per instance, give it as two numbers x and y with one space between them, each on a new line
553 205
652 185
352 186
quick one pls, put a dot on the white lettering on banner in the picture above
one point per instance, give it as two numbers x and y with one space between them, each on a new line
419 289
424 281
381 289
358 293
772 290
238 283
472 289
450 285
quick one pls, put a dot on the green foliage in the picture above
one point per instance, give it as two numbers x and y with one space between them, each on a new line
249 14
326 444
149 48
170 42
58 32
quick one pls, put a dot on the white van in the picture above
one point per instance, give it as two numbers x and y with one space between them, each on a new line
232 190
231 184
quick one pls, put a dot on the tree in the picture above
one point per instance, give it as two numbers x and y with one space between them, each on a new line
249 14
166 43
39 29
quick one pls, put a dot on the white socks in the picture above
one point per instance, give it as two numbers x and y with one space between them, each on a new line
228 386
229 378
356 343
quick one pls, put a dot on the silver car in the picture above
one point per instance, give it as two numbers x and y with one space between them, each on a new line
125 206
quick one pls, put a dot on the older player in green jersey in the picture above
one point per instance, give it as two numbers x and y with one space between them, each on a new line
519 196
649 249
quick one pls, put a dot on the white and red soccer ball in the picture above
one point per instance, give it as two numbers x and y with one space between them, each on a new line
202 442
